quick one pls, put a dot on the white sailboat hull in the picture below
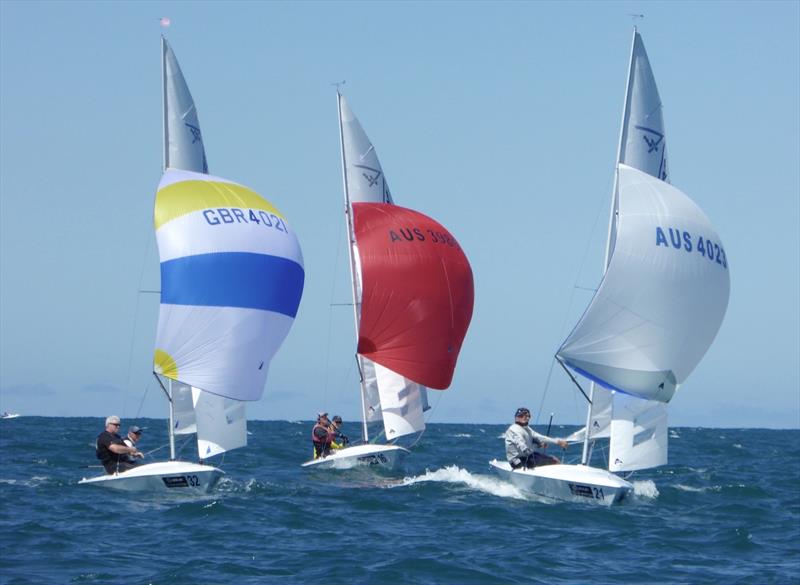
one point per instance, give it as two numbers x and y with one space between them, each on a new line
383 456
163 476
571 483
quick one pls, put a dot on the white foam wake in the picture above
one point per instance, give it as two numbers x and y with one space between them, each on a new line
456 475
645 489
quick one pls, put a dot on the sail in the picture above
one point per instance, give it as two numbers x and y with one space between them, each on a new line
183 141
183 415
383 389
417 293
645 331
221 423
231 280
643 144
638 434
363 172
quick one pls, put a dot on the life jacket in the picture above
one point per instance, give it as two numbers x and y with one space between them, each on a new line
319 440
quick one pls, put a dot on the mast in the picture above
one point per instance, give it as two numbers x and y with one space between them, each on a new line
164 103
164 130
348 213
171 423
612 232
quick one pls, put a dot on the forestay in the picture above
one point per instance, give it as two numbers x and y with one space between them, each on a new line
231 280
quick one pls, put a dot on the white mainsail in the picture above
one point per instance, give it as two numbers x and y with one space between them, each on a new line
183 141
386 395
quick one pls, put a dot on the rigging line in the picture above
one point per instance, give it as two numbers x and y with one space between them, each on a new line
427 418
326 375
135 323
571 298
141 402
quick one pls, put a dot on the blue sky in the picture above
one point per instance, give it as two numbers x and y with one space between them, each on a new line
500 120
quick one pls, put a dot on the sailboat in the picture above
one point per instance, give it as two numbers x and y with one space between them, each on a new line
231 280
412 304
646 328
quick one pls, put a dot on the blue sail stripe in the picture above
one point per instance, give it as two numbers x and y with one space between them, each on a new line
233 279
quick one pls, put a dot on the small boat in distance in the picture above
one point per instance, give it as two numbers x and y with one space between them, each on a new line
231 280
9 415
645 330
412 304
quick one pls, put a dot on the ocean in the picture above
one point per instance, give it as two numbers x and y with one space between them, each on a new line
726 509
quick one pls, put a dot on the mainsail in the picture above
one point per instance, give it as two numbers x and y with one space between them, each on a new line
393 382
231 281
183 141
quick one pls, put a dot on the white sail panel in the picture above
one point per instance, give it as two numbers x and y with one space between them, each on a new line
183 140
221 423
231 283
401 404
600 417
372 399
363 172
638 434
184 421
643 145
662 299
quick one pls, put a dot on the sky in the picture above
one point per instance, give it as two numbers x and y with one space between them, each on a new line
498 119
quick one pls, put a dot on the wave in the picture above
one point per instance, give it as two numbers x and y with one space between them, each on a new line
645 488
455 475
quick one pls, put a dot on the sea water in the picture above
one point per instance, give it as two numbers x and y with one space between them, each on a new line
726 509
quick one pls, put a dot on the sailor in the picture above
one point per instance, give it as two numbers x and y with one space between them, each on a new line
110 448
521 441
322 436
340 440
134 434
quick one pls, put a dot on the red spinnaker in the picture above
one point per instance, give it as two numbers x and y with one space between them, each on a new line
417 293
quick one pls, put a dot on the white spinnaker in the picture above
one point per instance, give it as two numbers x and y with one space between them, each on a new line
221 423
659 305
382 387
183 141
